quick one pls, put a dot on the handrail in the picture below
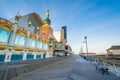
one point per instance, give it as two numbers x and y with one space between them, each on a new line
115 65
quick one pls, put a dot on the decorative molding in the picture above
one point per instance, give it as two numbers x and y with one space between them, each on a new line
21 31
39 39
18 48
39 50
5 24
31 49
32 36
3 46
46 26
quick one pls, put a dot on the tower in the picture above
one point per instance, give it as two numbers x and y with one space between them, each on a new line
63 37
46 33
45 29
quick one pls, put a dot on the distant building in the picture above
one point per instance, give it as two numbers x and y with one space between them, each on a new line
68 49
114 52
63 37
61 48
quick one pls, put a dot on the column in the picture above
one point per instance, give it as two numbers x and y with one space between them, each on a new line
27 41
25 54
8 55
35 54
12 39
36 43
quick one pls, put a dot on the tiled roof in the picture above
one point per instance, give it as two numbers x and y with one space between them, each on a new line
36 17
114 47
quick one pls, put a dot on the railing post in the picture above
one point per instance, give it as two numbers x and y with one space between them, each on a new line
115 68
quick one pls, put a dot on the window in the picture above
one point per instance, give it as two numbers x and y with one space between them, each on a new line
4 36
40 45
32 43
20 40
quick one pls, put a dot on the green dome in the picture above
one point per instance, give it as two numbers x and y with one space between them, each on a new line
48 20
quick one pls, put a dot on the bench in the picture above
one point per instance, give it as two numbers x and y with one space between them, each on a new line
102 68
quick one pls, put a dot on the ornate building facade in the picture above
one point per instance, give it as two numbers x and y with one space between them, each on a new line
26 37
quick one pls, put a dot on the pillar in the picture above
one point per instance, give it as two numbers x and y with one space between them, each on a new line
35 55
12 37
27 42
25 55
8 55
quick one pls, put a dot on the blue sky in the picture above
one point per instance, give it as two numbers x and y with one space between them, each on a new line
99 20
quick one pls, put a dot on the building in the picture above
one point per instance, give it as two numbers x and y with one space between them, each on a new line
61 48
29 37
68 49
20 39
46 34
63 37
34 19
114 52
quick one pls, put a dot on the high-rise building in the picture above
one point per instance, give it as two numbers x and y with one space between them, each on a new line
63 37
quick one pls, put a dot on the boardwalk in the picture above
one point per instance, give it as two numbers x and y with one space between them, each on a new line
73 68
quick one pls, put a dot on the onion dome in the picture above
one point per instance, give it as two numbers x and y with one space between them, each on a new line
47 20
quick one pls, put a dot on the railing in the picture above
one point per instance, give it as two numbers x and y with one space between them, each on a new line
114 67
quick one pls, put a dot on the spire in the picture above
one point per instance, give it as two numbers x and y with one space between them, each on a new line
47 14
17 17
47 20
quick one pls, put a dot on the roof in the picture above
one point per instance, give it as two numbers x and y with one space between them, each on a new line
114 47
36 17
47 19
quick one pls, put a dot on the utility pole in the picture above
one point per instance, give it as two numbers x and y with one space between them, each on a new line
86 45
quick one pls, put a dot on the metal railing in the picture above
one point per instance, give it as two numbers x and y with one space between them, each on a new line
113 67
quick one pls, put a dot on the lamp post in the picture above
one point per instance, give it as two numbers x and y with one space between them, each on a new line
86 45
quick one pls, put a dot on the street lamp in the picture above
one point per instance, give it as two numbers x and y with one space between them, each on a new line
86 45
